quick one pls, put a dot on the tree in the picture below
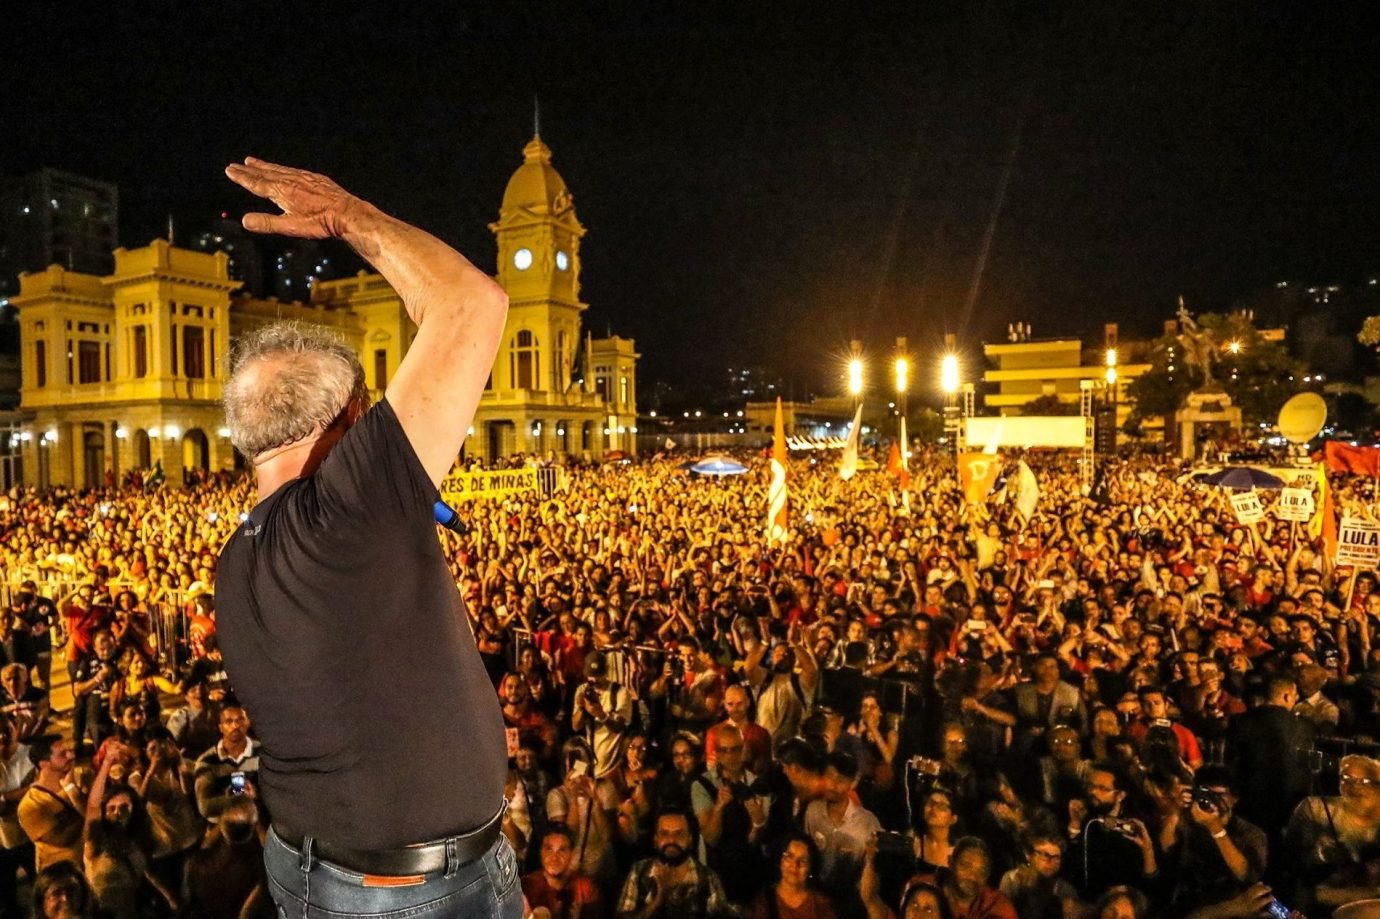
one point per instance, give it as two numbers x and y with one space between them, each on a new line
1049 404
927 425
1257 373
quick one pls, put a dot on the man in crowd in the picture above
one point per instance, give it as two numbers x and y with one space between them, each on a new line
1036 889
1216 855
230 769
16 774
52 812
673 883
1108 847
842 829
756 740
731 810
602 712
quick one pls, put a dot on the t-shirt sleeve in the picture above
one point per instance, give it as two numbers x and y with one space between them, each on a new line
373 476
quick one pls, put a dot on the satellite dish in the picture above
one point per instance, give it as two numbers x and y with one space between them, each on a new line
1302 417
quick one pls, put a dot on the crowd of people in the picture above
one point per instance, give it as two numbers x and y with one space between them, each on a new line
1129 705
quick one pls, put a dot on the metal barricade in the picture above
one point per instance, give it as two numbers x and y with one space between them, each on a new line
167 618
548 480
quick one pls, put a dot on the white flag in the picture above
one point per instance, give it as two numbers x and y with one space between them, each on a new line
849 464
1027 490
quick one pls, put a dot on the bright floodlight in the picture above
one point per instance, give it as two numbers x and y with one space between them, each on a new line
1111 375
855 376
1111 357
948 374
902 374
1234 347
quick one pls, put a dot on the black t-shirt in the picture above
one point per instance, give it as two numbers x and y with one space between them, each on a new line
348 643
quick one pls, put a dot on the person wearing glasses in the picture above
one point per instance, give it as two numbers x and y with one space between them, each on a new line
1335 842
1037 889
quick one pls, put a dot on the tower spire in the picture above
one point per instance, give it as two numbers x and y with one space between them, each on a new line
536 116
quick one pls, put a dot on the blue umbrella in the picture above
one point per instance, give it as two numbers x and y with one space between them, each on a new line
1243 477
718 465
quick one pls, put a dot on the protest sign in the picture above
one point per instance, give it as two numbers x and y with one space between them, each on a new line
1248 508
1296 504
1358 544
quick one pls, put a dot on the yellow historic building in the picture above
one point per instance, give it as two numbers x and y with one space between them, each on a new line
123 371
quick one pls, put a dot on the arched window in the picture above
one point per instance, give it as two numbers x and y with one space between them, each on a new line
525 360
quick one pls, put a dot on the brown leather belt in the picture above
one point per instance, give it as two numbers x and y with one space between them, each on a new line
441 855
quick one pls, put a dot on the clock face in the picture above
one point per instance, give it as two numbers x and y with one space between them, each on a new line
562 260
522 259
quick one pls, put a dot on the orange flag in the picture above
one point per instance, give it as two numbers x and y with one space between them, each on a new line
977 473
896 467
776 492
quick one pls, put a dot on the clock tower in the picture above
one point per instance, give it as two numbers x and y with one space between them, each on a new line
538 238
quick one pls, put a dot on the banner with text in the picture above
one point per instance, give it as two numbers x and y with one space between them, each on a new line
1358 544
1296 504
1248 507
467 486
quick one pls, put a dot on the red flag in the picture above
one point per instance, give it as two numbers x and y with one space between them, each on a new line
1342 457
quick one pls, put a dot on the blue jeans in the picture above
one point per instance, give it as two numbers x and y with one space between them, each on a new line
304 887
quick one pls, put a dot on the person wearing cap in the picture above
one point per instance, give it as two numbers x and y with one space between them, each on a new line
602 713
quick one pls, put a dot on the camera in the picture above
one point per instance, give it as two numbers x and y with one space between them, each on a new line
926 766
1209 800
742 791
677 668
237 783
893 844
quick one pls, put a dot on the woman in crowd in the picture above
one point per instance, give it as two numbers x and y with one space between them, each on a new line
936 833
794 895
877 741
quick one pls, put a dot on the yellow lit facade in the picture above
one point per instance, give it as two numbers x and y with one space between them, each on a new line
124 371
1027 370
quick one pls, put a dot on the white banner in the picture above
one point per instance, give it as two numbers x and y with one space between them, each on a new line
1295 504
1358 544
1248 507
989 433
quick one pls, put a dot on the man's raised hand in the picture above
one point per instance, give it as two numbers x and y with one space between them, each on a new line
314 207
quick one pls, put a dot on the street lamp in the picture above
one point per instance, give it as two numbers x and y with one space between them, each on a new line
855 376
1234 346
948 374
902 375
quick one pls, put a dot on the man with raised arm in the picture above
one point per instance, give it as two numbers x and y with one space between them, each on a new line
337 614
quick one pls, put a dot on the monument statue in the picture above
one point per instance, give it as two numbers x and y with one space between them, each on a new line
1200 349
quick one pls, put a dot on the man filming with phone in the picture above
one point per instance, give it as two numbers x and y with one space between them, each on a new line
336 608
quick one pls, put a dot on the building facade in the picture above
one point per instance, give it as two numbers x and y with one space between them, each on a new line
50 217
124 371
1025 370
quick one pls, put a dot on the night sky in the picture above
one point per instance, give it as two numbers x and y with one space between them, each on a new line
763 182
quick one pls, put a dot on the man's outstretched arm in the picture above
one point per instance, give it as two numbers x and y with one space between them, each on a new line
459 310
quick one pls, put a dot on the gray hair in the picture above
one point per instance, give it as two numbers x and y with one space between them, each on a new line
287 382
